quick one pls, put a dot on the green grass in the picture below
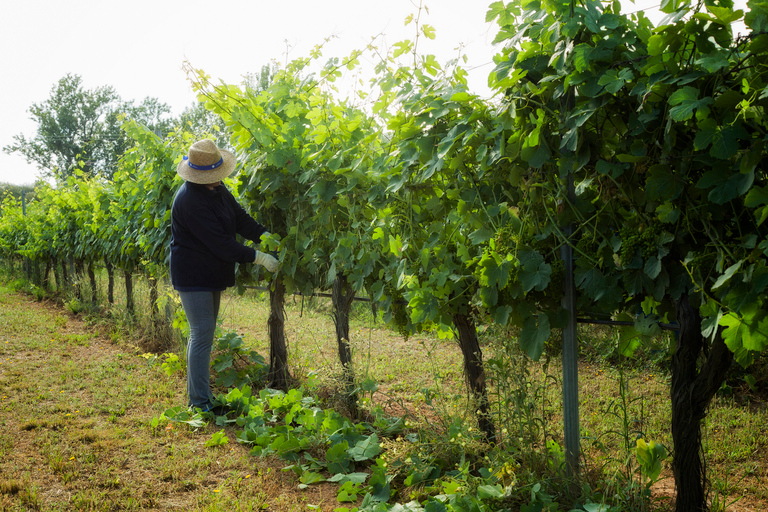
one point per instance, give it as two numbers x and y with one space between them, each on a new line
78 400
75 433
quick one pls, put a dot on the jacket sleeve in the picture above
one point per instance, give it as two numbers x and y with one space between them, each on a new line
247 227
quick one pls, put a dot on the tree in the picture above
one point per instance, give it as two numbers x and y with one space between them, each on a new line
79 129
69 132
150 113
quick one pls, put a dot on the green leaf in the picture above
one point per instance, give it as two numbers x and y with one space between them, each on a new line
757 196
726 185
727 275
379 483
584 54
366 449
667 213
725 142
533 335
713 62
487 491
501 314
684 101
534 272
652 267
492 273
536 156
402 47
614 79
725 15
347 493
337 457
615 170
591 281
481 235
757 19
308 478
629 341
708 128
217 439
355 478
435 506
662 184
428 31
748 331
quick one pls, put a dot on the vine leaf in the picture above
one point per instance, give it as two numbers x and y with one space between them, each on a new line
584 54
662 185
749 331
535 332
684 101
727 185
613 80
723 139
534 272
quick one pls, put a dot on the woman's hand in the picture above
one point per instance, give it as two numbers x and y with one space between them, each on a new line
267 261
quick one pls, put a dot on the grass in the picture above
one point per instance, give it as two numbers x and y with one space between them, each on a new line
75 428
77 401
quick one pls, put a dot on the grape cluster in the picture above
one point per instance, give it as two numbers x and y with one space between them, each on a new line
507 238
399 310
638 239
587 244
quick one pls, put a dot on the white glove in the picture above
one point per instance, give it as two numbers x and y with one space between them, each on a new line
267 261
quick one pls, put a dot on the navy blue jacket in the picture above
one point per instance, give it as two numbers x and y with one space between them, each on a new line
204 247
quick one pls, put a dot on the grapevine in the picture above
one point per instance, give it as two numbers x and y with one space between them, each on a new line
638 243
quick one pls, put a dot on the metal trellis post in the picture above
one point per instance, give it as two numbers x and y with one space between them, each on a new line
570 355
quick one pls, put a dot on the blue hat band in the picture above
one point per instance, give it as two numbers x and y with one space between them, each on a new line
204 167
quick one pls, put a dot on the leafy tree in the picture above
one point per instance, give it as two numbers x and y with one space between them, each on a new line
150 113
70 129
79 129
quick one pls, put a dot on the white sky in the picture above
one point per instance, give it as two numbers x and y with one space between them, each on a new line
138 47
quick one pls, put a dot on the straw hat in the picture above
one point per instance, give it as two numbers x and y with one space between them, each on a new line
206 163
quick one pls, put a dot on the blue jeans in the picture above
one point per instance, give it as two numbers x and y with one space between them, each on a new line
202 309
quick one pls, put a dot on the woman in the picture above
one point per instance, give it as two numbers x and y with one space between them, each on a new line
205 219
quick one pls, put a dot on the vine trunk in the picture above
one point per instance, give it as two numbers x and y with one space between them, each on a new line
278 376
692 390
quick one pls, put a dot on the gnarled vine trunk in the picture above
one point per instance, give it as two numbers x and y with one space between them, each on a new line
474 371
278 350
342 296
64 275
92 279
110 281
153 296
129 304
79 275
693 386
56 275
46 273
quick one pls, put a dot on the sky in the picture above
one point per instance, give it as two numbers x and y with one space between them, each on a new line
139 47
